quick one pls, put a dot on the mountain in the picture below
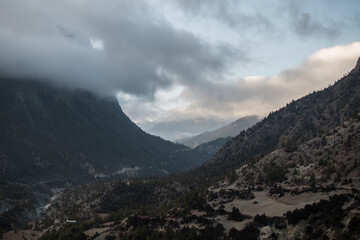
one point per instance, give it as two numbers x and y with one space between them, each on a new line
175 130
230 130
210 148
294 175
331 158
298 121
311 192
52 138
51 133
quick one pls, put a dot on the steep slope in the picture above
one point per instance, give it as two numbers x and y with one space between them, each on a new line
331 158
313 191
230 130
51 133
299 121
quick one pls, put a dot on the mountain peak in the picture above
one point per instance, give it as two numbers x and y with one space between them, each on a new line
357 67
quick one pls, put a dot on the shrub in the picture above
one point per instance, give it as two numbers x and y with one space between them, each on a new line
235 215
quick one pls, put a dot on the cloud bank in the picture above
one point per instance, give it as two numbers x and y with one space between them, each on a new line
255 95
181 59
105 47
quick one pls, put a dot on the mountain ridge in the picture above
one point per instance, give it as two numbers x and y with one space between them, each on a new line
178 129
298 121
230 130
54 132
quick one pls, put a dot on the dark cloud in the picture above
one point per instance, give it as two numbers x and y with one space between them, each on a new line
308 24
73 36
235 14
141 52
303 17
305 25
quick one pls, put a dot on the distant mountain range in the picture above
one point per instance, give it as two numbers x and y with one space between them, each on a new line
230 130
179 129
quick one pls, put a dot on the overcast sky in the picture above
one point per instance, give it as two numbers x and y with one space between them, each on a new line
183 59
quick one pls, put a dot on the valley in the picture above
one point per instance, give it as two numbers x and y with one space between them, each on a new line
179 120
294 175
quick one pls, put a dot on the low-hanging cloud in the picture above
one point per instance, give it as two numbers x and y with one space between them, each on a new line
105 47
